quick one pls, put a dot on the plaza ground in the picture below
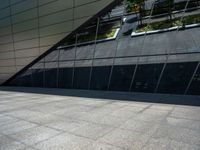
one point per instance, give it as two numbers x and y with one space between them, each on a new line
55 119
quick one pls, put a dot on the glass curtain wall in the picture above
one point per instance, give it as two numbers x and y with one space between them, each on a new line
106 55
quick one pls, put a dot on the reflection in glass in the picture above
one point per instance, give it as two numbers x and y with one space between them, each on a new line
65 78
51 71
81 77
146 77
25 79
100 78
38 75
176 77
195 85
121 78
51 78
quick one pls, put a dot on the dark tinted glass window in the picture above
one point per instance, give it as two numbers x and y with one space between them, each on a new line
81 77
121 78
195 85
14 82
23 79
38 75
51 72
26 78
51 78
146 77
65 77
176 77
100 78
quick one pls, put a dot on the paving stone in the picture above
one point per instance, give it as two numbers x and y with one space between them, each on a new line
93 131
46 119
110 120
7 143
149 117
24 114
101 146
178 134
16 127
29 148
122 113
140 126
174 145
125 139
4 108
186 112
155 112
5 120
34 135
42 121
68 125
181 122
157 144
64 141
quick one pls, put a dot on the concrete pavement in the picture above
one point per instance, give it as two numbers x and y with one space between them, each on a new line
33 121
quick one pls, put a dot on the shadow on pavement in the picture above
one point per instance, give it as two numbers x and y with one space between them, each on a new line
109 95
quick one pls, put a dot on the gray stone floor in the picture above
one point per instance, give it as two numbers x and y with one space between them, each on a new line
49 122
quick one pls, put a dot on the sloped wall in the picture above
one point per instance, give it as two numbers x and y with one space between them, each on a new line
28 28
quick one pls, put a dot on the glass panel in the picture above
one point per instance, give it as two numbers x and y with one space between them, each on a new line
195 86
65 77
65 74
38 75
176 77
26 78
23 80
81 77
15 82
51 71
146 77
53 56
121 78
100 78
85 52
70 41
67 54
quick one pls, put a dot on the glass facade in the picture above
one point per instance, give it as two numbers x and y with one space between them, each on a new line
38 75
176 77
65 78
121 78
146 78
114 52
100 78
195 84
81 78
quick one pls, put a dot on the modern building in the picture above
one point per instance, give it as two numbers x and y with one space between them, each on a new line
151 47
28 28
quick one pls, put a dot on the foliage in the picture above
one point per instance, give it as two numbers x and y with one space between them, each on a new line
102 35
169 23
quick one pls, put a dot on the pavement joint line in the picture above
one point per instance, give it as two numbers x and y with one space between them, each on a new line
121 148
46 139
145 109
184 118
39 124
68 132
130 131
157 125
21 119
8 136
44 125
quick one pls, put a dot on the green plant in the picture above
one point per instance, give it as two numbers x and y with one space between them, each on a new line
169 23
136 5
